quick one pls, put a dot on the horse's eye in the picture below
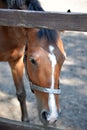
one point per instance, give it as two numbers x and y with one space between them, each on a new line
32 60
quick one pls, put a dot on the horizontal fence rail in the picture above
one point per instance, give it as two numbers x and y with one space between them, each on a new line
59 21
6 124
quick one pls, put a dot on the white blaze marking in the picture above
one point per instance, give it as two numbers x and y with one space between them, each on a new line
51 101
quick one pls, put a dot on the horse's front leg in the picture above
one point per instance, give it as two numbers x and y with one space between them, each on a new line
17 72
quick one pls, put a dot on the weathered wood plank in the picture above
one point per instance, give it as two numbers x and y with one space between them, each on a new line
59 21
6 124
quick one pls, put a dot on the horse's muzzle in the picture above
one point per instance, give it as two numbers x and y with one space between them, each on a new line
47 119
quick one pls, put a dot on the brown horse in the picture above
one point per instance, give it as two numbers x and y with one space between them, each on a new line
44 56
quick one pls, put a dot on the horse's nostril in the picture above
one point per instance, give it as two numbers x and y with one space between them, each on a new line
44 115
48 118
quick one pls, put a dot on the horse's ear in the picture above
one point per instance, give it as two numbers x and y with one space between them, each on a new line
68 11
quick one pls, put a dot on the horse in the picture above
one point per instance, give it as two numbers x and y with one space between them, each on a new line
41 52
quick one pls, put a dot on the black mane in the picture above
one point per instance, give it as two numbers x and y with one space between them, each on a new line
34 5
14 4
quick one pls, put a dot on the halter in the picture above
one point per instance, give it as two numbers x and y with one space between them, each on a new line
45 90
40 88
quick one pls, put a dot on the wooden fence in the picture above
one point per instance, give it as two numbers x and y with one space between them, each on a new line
58 21
6 124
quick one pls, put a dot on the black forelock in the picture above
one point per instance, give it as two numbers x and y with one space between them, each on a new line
50 35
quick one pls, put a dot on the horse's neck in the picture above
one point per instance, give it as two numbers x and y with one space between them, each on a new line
2 4
14 36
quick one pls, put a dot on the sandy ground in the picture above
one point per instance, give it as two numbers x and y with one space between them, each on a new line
73 80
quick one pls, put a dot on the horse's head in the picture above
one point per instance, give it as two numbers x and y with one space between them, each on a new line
44 59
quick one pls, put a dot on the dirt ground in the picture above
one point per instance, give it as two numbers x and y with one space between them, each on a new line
73 82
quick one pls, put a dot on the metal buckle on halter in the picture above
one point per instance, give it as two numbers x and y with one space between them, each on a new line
45 90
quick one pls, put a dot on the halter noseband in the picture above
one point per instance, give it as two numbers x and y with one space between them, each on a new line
40 88
45 90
